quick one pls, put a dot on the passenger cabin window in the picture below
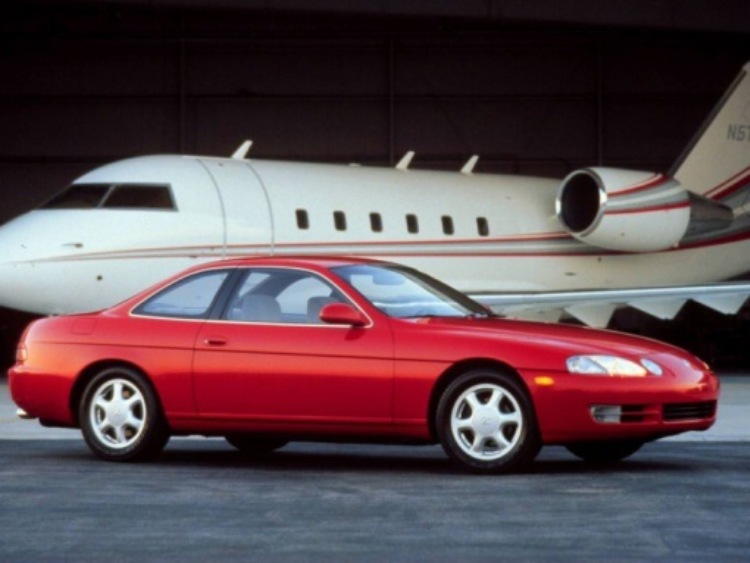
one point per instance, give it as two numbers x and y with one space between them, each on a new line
483 228
412 224
114 196
376 223
303 221
189 298
339 220
447 224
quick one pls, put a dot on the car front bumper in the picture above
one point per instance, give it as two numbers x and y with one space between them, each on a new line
575 408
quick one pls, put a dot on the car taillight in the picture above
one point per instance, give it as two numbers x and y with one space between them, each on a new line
22 354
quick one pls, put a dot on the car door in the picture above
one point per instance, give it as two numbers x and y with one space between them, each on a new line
271 360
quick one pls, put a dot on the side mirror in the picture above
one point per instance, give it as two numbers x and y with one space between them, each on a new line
342 314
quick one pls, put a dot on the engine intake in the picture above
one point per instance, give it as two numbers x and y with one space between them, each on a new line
631 211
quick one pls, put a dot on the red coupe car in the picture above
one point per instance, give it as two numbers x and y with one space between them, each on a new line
267 350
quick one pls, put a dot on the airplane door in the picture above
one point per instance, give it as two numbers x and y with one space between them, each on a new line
272 363
247 214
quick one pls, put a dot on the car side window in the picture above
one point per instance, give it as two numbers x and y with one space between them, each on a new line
277 295
188 298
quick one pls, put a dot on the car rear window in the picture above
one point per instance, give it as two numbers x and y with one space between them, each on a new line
189 298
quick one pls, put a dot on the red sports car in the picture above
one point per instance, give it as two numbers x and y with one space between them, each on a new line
267 350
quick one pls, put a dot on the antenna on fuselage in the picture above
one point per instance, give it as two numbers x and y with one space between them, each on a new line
405 161
242 150
468 168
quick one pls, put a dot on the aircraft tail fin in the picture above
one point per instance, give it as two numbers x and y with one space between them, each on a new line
716 164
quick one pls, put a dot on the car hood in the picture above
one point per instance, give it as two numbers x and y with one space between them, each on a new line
570 338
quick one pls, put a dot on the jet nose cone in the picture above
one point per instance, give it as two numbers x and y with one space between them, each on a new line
13 288
23 280
48 288
23 237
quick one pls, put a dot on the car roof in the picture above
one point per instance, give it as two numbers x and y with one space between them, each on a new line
296 260
301 261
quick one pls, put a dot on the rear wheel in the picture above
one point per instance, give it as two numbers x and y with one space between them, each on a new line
486 423
120 416
249 444
605 452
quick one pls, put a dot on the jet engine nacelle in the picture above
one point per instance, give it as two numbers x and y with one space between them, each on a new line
632 211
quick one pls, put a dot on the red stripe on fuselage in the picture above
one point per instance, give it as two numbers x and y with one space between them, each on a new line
730 186
655 180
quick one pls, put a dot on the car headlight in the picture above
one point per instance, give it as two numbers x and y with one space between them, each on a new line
600 364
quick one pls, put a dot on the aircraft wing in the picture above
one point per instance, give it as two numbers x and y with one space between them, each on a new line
595 307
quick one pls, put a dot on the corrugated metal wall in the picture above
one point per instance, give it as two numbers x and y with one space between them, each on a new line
84 85
89 86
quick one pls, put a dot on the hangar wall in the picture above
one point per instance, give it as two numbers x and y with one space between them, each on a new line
87 84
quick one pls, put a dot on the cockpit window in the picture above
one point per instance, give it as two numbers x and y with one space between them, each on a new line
140 197
79 196
113 196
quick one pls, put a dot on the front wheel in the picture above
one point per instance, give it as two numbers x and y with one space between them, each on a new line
486 423
605 452
120 416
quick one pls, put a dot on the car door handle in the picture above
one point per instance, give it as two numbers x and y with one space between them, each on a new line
215 341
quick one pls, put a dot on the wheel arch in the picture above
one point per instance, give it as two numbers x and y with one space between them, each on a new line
90 371
461 367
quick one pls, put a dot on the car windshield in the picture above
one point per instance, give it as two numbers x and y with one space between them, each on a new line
403 293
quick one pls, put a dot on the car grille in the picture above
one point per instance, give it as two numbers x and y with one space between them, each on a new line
689 411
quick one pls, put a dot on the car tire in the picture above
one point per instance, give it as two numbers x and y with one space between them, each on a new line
486 423
120 416
605 452
252 445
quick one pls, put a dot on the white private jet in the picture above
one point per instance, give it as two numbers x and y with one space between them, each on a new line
596 240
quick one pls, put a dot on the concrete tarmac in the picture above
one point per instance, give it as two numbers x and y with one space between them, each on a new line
202 501
682 499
